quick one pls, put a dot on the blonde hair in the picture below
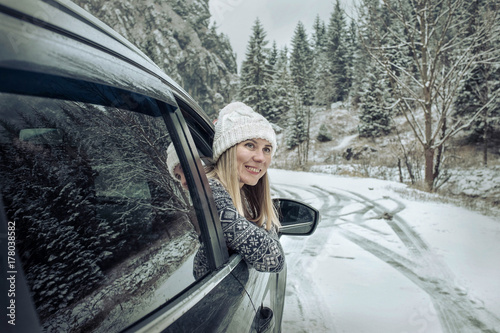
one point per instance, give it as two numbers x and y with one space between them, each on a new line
253 202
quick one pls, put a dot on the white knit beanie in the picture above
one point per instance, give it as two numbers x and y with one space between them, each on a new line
172 159
237 122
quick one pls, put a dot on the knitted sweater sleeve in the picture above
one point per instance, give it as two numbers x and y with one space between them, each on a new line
258 247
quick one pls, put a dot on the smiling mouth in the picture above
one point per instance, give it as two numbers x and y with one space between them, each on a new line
253 170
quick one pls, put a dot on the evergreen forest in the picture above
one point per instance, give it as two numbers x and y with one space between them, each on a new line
433 64
418 79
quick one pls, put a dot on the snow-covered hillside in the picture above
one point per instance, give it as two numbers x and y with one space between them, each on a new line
463 179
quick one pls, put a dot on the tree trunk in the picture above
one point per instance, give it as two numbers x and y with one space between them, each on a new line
427 95
410 170
428 147
299 155
401 180
485 139
440 151
308 133
429 168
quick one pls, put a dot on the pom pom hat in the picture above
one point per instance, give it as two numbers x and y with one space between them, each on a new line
172 159
237 122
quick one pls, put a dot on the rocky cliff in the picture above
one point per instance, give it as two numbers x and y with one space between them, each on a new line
176 35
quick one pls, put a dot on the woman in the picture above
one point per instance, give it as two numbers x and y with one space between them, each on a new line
243 147
174 166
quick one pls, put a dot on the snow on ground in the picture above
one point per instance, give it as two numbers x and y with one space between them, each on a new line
381 263
345 142
477 182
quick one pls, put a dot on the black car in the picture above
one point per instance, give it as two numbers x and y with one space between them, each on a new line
96 236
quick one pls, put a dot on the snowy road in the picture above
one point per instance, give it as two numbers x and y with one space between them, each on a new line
381 263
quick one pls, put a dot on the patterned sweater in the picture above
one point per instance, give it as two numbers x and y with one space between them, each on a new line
257 246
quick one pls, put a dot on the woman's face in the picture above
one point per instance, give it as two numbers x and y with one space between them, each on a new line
179 174
252 159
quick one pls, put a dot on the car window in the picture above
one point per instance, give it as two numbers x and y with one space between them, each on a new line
104 233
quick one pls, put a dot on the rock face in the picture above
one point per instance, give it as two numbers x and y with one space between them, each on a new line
176 35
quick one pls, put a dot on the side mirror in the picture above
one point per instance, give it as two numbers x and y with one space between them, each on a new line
296 218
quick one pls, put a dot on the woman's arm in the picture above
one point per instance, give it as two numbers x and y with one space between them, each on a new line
259 248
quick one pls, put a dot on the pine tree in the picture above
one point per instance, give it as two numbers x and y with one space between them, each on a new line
337 53
256 72
296 123
374 119
323 87
367 27
273 55
319 36
301 67
323 83
352 54
477 88
399 56
281 90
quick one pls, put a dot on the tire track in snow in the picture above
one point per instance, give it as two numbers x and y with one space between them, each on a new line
300 253
455 308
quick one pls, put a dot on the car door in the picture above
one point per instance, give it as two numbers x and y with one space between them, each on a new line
265 291
98 235
105 237
255 289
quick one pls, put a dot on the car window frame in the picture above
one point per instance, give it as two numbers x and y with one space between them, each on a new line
201 194
35 84
147 80
26 73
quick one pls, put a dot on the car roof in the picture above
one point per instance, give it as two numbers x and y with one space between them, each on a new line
46 22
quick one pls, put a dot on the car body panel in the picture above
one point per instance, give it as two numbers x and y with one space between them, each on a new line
179 316
55 50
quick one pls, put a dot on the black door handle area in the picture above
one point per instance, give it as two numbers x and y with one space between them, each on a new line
265 320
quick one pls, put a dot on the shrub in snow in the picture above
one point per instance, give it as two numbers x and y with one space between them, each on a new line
324 134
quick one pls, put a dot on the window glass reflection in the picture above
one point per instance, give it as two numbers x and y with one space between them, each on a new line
105 233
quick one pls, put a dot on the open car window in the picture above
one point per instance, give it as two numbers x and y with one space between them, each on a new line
104 232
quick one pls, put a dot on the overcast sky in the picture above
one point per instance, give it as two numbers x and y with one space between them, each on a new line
279 18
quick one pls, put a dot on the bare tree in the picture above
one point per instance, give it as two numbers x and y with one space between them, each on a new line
442 54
